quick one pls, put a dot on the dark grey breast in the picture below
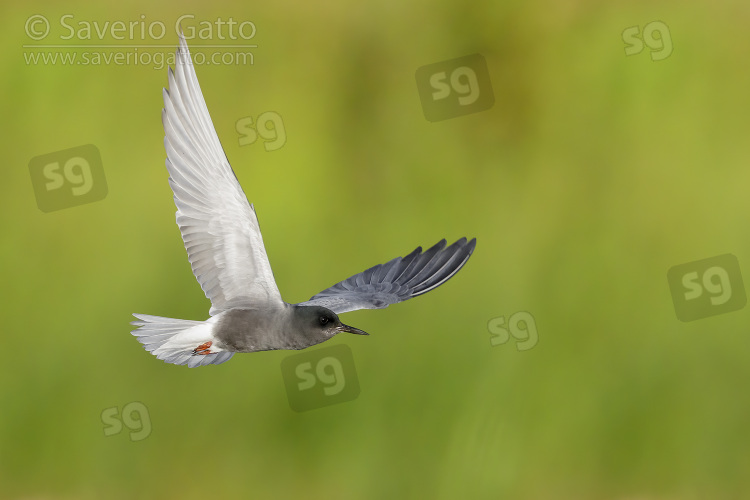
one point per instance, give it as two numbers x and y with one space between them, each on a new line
261 329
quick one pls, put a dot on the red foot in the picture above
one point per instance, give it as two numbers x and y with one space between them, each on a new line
204 348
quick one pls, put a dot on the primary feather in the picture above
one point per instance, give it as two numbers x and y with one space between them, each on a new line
219 226
397 280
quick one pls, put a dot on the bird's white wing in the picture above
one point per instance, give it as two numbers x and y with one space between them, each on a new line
397 280
218 225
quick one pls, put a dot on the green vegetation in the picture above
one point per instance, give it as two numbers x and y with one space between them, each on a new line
591 176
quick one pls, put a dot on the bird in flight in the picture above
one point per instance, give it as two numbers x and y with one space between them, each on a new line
222 237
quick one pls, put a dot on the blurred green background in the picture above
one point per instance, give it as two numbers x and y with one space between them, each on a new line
593 174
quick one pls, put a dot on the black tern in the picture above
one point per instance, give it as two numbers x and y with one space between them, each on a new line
222 237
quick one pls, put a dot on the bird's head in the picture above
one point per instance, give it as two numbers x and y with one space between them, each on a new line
319 322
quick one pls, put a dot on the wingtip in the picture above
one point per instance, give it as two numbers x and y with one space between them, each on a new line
467 246
181 36
464 242
439 245
183 52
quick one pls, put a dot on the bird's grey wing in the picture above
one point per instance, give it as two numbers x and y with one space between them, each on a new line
400 279
218 225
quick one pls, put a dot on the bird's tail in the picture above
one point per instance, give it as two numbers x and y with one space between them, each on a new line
180 341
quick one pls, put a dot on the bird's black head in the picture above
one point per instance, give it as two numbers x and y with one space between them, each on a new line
323 323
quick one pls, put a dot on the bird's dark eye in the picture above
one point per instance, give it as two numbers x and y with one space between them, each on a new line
323 320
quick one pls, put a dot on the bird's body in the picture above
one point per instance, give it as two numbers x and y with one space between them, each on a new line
222 237
250 330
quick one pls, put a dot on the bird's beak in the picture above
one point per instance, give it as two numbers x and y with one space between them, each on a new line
351 329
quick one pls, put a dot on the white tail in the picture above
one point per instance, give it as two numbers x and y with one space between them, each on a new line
180 341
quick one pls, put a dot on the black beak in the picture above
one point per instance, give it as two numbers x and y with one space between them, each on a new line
351 329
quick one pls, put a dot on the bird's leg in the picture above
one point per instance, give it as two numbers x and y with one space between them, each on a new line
204 348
